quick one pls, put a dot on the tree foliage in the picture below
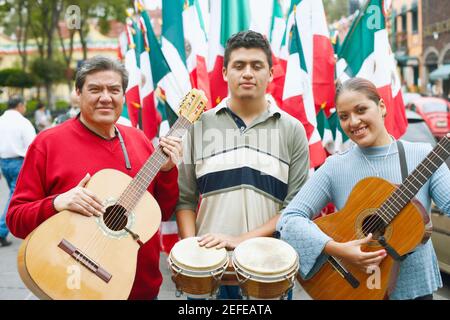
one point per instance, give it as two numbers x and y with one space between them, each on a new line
335 9
16 78
39 22
48 71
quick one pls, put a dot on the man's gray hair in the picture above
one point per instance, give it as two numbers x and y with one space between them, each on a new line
100 63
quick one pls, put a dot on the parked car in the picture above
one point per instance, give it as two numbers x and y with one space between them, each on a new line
409 97
435 113
418 131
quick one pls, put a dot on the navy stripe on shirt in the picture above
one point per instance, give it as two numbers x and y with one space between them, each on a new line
215 181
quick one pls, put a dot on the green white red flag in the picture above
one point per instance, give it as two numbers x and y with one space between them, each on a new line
366 53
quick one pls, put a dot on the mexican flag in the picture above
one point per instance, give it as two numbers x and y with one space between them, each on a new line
277 28
298 99
150 116
132 96
167 96
196 42
169 93
318 51
340 140
366 53
124 119
226 18
308 18
325 131
168 234
335 41
276 36
173 46
320 62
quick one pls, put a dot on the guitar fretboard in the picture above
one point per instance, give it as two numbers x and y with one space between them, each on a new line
135 190
412 184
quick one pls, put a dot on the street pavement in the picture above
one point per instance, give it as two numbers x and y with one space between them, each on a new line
12 288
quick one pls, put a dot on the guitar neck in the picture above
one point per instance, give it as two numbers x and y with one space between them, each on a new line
135 190
415 181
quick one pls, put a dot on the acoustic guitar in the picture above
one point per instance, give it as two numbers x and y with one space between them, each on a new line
71 256
398 222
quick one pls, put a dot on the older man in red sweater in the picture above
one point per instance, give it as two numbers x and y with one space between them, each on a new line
61 160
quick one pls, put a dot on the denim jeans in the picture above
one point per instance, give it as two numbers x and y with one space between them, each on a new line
10 169
234 293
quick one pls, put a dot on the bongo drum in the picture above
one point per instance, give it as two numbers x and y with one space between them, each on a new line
196 271
229 277
265 268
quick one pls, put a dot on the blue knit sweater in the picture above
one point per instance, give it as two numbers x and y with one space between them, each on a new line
333 181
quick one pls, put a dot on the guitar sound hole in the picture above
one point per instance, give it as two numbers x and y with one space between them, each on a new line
375 225
115 217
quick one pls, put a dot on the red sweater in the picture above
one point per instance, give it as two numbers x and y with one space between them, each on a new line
56 162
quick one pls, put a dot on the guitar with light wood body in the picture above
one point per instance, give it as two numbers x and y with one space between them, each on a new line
71 256
398 222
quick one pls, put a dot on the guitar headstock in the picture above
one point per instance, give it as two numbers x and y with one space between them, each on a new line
193 104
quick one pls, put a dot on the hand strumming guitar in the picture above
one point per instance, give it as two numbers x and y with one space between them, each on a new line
80 200
351 252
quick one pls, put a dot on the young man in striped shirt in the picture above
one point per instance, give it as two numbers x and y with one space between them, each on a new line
244 160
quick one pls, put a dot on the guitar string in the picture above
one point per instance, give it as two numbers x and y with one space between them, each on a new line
372 224
405 182
377 174
98 243
140 187
131 201
430 158
79 256
117 222
114 219
181 126
171 130
389 203
386 213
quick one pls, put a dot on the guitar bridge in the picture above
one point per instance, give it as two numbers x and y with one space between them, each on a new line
90 264
343 272
390 251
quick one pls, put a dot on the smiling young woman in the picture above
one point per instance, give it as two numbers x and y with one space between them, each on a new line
361 112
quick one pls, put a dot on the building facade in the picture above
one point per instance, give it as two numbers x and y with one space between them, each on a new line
436 45
406 39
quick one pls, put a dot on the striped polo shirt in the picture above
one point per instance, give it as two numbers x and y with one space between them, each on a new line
244 175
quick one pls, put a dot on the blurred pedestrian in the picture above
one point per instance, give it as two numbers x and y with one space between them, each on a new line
42 117
16 134
73 111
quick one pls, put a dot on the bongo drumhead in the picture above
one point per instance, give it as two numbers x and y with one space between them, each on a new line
265 256
188 254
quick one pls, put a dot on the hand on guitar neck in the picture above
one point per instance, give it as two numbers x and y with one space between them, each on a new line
351 253
173 149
